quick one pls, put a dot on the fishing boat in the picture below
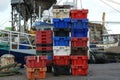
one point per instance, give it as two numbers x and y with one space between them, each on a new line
19 42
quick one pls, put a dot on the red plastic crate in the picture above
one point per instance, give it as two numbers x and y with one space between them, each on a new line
79 70
79 42
79 60
36 61
44 33
44 37
79 14
44 41
39 48
61 60
49 62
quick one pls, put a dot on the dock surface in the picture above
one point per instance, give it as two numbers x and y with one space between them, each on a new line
109 71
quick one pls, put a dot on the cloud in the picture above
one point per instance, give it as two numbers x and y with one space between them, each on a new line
4 5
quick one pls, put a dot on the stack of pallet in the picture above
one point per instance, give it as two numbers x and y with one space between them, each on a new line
35 67
61 40
79 30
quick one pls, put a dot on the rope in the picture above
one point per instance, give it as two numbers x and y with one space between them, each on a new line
12 69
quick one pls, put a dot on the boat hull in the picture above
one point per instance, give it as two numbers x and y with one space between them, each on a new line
19 56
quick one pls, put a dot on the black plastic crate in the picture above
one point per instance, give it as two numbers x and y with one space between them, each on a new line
61 7
44 45
49 68
79 51
61 70
44 52
61 32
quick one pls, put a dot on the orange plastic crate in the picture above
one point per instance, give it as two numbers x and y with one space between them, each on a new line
30 75
41 75
36 73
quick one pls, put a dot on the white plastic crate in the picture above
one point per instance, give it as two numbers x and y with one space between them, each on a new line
61 50
61 13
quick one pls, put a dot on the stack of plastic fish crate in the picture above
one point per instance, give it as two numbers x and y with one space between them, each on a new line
35 67
44 46
61 40
79 31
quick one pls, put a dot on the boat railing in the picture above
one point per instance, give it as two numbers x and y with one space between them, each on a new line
17 40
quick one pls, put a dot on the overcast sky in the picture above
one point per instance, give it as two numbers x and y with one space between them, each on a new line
5 13
96 8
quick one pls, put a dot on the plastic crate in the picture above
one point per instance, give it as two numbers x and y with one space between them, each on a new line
36 73
49 59
44 37
61 50
79 14
83 51
79 42
49 69
61 41
61 13
61 7
61 23
61 60
79 23
79 60
79 32
61 32
43 33
43 45
48 55
61 70
39 48
79 70
43 52
47 40
36 61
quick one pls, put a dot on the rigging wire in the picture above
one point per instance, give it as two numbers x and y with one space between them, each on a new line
109 5
1 25
114 2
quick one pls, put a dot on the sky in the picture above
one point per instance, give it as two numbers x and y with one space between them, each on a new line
95 7
5 13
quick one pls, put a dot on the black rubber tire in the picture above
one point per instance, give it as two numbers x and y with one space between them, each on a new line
92 58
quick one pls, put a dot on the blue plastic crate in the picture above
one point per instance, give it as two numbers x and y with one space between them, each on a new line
61 41
61 23
79 32
50 57
79 23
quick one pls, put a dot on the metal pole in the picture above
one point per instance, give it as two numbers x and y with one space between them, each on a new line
19 22
12 19
76 4
39 12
